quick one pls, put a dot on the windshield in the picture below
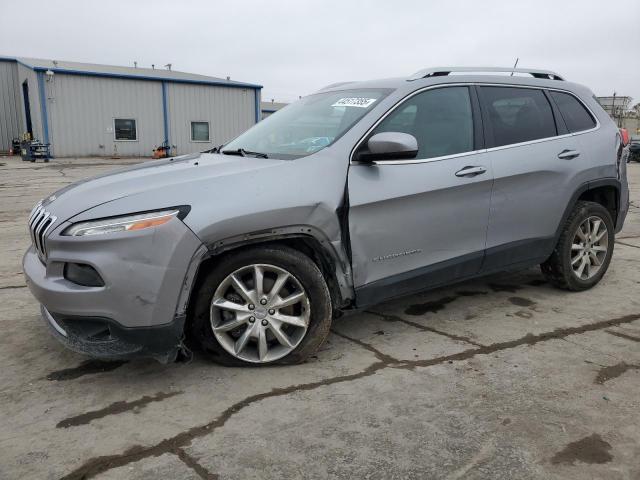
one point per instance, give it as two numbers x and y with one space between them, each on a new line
308 125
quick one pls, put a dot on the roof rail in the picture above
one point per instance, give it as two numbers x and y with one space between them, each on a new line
444 71
334 85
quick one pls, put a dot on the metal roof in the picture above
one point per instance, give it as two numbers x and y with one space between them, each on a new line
270 107
115 71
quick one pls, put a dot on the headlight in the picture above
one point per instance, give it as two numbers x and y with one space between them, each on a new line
137 221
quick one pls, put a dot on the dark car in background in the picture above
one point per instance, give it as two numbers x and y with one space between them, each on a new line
634 148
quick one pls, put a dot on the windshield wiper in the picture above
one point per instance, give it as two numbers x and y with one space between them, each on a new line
244 153
217 149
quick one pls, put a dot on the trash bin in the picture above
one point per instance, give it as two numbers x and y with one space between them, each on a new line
32 150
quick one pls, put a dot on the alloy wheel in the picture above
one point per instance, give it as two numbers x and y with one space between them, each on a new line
589 248
260 313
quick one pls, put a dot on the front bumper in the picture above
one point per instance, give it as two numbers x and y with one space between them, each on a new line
105 339
139 310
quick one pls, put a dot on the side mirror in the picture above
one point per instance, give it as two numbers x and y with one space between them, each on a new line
389 146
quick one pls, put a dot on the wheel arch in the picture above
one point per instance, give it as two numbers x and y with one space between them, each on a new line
605 190
306 239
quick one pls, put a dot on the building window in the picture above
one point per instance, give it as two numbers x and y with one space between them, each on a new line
199 131
125 129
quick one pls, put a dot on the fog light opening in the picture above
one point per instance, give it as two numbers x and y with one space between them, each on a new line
82 274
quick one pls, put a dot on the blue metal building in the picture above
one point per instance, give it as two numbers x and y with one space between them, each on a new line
100 110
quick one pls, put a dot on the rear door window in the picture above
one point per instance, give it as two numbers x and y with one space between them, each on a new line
441 120
575 115
517 114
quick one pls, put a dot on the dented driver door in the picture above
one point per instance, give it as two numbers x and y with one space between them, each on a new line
418 223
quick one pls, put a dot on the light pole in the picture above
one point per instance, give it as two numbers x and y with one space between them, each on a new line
613 108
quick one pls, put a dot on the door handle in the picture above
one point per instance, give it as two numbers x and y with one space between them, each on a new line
470 171
568 154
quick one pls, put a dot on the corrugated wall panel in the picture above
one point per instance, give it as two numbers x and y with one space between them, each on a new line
229 111
82 110
10 111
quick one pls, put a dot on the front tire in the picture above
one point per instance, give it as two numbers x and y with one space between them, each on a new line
263 305
584 249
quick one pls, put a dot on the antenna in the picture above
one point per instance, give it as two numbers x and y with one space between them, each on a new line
153 66
514 66
168 66
135 64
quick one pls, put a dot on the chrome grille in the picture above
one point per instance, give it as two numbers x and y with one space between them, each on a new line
40 221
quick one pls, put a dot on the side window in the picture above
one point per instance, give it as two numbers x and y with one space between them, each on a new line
518 114
440 119
575 115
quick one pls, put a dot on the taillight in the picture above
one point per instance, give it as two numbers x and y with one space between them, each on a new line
625 136
622 151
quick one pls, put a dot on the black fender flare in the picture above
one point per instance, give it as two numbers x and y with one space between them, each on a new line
332 256
585 187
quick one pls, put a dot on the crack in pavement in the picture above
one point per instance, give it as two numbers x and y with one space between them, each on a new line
97 465
88 367
114 409
424 328
627 244
11 287
192 463
613 371
170 445
383 357
623 335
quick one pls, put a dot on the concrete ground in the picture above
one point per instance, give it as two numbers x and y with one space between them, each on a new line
502 377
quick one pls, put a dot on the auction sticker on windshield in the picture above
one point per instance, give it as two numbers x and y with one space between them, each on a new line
359 102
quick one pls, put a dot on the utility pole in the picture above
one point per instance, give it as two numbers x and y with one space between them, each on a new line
613 109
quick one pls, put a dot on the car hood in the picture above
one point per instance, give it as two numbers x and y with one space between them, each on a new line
153 178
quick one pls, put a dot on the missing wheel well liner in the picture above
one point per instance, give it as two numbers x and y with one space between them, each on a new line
606 196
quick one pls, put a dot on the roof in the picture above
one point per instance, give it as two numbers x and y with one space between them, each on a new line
431 76
407 85
272 106
115 71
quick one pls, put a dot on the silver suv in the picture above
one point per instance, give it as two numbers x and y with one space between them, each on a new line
356 194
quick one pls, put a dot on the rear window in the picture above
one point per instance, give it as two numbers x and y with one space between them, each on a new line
518 114
575 115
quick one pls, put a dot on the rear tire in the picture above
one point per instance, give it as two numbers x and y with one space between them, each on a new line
584 249
255 326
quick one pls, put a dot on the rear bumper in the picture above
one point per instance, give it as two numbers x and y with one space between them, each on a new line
623 201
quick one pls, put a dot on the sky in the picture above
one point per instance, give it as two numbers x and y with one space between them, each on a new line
293 48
